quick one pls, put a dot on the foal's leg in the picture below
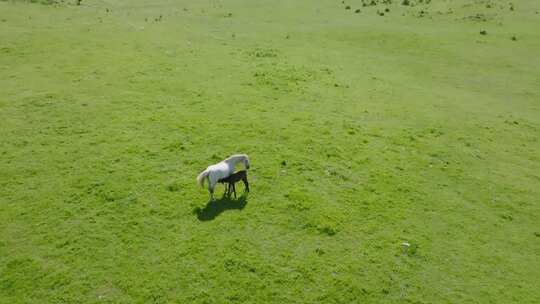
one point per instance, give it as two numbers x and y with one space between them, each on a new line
246 183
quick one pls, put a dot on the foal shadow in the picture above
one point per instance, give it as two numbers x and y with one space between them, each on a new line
215 207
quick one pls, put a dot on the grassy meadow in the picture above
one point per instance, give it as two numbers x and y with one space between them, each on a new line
367 126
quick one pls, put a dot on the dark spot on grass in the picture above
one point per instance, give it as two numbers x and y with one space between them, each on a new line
507 217
330 231
348 7
483 32
357 10
173 187
514 38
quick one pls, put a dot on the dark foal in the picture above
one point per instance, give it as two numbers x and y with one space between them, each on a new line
233 179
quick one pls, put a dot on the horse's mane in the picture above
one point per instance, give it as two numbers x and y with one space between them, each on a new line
237 156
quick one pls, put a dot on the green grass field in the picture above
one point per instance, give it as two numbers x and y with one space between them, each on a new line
364 132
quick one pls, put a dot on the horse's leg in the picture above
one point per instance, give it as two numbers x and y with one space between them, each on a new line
211 190
234 190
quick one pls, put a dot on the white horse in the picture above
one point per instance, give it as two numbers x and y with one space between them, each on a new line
221 170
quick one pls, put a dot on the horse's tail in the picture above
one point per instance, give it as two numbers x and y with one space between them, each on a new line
201 177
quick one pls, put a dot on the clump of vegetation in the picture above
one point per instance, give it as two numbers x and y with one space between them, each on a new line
264 53
477 17
409 249
369 3
327 229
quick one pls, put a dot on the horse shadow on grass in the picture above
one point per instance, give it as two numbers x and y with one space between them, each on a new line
215 207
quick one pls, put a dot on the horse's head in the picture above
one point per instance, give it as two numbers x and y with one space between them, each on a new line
246 161
236 158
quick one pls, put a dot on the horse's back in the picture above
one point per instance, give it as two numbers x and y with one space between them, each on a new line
218 167
219 171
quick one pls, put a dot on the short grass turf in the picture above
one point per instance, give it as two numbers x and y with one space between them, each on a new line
366 128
